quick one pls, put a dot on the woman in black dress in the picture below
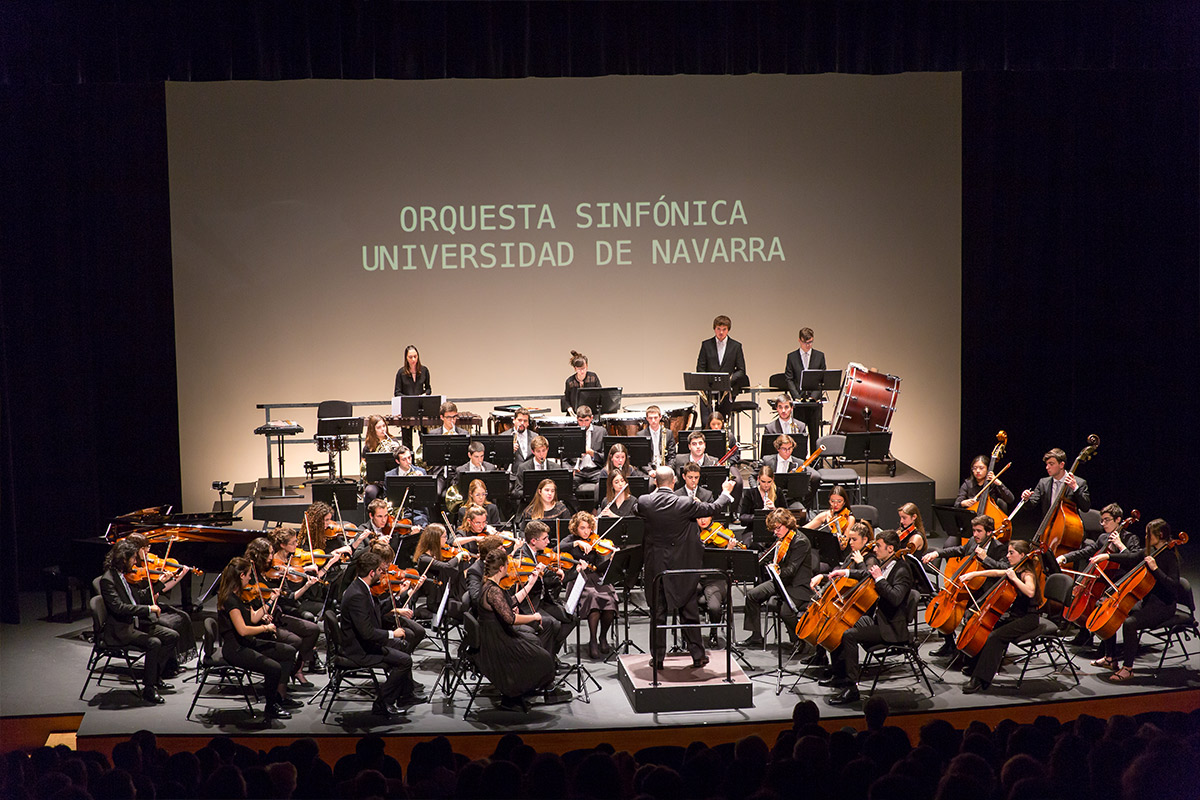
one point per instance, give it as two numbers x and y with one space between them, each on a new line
582 378
618 500
248 637
598 603
411 379
509 656
428 559
545 504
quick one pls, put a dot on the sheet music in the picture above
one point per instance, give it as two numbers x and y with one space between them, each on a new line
575 593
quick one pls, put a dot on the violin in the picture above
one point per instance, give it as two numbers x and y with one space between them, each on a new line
1090 586
947 608
257 591
517 571
278 571
998 600
158 568
717 535
315 557
560 560
396 580
449 552
603 547
1108 617
850 610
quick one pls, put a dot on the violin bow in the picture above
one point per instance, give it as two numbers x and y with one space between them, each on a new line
399 513
995 478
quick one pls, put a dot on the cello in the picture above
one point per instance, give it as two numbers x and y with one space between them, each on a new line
824 605
998 600
1108 617
1061 530
1091 584
850 610
947 608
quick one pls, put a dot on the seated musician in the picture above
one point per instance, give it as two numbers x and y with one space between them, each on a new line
722 354
618 500
449 414
1153 610
691 485
886 622
475 462
598 603
796 561
858 558
368 642
1058 480
474 573
270 560
714 591
1107 542
473 529
377 527
378 441
696 453
912 529
829 527
662 440
586 469
405 468
477 495
716 422
411 379
523 436
784 462
395 607
1020 619
538 462
171 616
785 423
436 558
582 378
544 505
617 461
994 557
248 636
974 483
760 498
324 534
543 590
136 624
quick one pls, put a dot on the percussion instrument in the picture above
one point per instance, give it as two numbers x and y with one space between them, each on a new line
865 390
676 416
548 421
624 424
467 420
500 422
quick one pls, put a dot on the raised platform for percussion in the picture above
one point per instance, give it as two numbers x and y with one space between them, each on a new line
682 688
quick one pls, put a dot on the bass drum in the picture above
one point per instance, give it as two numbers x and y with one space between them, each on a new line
624 424
863 390
676 416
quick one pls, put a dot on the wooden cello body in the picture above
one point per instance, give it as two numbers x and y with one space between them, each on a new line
947 608
979 627
1091 586
851 609
1061 530
1109 615
984 505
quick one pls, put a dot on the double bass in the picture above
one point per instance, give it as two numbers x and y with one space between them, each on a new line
1108 617
1061 530
1093 582
982 505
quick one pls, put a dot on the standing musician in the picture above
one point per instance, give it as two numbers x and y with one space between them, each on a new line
411 379
887 623
404 468
477 496
545 504
136 624
618 500
618 461
429 561
248 637
1108 541
722 354
830 526
586 468
800 359
543 588
538 462
796 560
1018 622
662 440
1153 610
912 528
172 617
716 422
858 559
1057 480
598 603
784 462
994 557
523 436
367 643
696 453
672 541
974 483
582 378
271 560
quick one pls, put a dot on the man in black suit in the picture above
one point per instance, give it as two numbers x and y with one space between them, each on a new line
888 622
672 541
366 643
784 462
722 354
523 436
449 414
800 359
589 466
134 624
796 570
1058 480
662 441
696 453
475 462
403 469
535 463
691 485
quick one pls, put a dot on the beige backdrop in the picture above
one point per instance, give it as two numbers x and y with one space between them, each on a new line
277 187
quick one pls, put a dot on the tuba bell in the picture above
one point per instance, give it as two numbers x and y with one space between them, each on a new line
452 499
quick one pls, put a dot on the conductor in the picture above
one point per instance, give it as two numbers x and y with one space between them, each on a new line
673 542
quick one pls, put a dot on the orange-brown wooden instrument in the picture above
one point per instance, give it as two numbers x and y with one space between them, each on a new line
1095 579
1109 615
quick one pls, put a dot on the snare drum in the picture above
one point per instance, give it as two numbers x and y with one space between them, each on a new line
865 389
624 424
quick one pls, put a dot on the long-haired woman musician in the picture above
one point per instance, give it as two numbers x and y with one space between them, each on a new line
411 379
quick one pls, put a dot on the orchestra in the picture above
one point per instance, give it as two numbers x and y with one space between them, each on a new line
512 571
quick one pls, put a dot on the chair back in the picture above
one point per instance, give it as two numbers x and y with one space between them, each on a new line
334 408
910 611
333 633
778 381
96 585
835 445
1091 521
99 617
865 512
470 634
1058 588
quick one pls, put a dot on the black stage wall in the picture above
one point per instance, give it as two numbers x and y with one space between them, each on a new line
1081 285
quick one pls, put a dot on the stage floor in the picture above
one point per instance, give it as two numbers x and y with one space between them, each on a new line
42 667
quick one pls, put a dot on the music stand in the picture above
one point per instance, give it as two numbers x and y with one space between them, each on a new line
863 447
377 465
737 566
601 400
336 430
497 448
715 442
445 451
954 521
577 670
795 487
784 597
563 483
565 443
759 535
639 449
345 491
422 490
421 407
710 385
820 380
639 484
624 531
712 477
497 484
624 567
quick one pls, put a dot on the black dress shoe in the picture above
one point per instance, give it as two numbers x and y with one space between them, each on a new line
512 704
712 642
315 666
752 641
947 649
287 702
163 686
152 698
968 669
410 699
972 686
554 696
818 659
593 651
845 697
377 709
702 661
276 711
657 663
834 682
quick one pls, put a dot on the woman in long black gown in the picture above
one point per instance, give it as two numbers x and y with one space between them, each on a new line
509 656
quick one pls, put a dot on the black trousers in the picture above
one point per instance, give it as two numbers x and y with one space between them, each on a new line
1141 618
298 633
556 613
271 659
398 665
712 591
1007 631
755 598
160 644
